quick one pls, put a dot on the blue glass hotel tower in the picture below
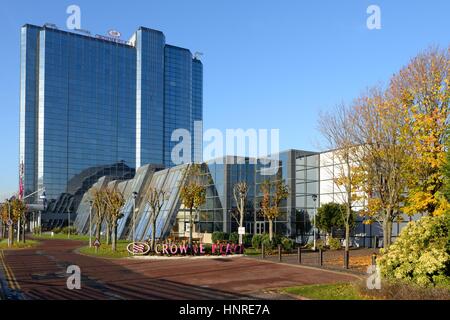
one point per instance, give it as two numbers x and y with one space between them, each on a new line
92 106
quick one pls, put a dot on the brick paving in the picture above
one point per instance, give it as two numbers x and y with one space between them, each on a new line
40 273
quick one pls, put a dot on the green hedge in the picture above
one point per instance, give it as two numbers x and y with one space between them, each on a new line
234 237
219 236
247 239
256 241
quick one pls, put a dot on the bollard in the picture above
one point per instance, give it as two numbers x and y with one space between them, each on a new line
299 254
279 252
320 257
374 259
346 259
375 244
263 253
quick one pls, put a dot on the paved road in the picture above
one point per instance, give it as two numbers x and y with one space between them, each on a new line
40 273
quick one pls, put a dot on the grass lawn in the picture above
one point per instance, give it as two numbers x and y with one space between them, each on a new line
338 291
106 252
17 245
61 236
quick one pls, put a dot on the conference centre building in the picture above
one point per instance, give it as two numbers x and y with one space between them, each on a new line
310 177
94 105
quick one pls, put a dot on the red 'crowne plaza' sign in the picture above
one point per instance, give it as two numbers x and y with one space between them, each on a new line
174 249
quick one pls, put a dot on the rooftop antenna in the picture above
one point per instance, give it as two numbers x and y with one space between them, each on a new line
87 32
197 55
50 25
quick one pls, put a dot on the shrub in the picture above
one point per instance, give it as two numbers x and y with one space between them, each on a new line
421 253
288 244
276 240
247 239
55 230
65 230
219 236
320 244
234 237
334 243
36 230
256 241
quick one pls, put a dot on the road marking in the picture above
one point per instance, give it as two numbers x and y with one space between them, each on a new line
12 281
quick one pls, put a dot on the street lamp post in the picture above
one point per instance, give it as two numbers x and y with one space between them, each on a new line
314 197
44 202
134 216
90 223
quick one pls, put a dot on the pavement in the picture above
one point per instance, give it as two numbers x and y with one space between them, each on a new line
40 273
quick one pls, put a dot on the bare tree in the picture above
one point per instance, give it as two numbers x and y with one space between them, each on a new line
240 191
337 128
155 201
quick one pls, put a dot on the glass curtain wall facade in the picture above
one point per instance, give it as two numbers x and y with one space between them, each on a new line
87 102
305 173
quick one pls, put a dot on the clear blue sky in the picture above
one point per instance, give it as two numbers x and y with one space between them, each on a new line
267 64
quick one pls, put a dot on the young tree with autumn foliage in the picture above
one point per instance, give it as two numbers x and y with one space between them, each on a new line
5 213
15 210
382 155
273 193
114 203
100 207
193 194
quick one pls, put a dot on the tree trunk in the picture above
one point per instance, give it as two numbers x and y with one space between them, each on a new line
114 236
23 231
18 231
98 227
10 235
241 221
190 229
108 233
153 234
387 232
270 230
347 246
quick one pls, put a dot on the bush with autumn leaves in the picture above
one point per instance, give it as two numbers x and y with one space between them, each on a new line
421 253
